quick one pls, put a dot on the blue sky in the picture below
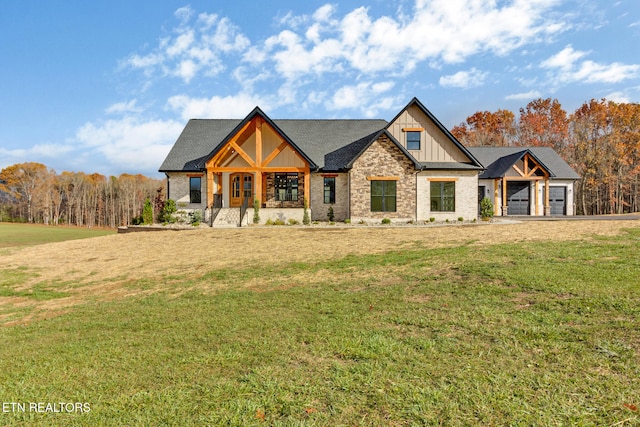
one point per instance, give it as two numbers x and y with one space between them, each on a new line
107 86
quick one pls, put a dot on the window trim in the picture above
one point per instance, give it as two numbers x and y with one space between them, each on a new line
195 192
419 139
384 197
442 200
331 189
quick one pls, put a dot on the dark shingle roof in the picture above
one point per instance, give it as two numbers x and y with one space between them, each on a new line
315 138
497 160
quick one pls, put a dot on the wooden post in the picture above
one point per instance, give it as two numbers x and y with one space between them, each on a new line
307 184
537 198
547 207
505 209
209 189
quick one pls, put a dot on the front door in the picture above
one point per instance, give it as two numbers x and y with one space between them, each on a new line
241 186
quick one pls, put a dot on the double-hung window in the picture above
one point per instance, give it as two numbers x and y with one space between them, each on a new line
443 196
413 140
383 196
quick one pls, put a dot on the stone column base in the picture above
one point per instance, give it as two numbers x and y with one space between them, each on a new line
505 210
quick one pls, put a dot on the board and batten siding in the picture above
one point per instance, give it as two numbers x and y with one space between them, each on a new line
435 146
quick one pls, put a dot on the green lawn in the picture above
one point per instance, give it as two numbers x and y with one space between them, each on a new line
514 334
16 235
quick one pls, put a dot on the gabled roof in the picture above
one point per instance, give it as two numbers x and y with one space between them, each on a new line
497 160
313 139
415 101
343 158
258 112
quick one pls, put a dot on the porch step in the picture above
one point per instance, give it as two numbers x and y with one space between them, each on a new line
227 217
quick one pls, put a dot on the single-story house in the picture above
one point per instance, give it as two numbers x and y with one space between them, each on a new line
409 169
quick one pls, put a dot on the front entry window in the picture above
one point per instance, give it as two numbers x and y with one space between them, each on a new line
286 187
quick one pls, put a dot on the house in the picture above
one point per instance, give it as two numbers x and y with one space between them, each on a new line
409 169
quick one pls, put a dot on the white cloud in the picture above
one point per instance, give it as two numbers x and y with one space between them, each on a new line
366 97
130 143
464 79
191 48
567 66
447 31
619 97
124 107
216 107
532 94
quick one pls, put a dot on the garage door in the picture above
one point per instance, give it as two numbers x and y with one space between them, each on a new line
557 200
518 198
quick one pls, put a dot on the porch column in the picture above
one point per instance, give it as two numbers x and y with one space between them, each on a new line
547 205
307 184
496 197
209 189
537 199
505 208
258 189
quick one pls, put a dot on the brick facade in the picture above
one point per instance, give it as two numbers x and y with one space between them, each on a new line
383 159
319 208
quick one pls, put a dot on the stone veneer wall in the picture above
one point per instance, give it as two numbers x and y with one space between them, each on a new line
383 159
271 202
340 207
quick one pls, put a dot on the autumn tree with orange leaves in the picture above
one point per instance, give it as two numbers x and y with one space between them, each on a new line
30 192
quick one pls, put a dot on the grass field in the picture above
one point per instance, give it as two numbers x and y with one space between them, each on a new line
525 324
16 235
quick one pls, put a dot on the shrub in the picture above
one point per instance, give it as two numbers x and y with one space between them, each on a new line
195 218
486 208
460 219
347 221
432 219
386 221
293 221
330 214
147 213
256 211
305 219
166 214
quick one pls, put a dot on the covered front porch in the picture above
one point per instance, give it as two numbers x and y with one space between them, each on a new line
257 162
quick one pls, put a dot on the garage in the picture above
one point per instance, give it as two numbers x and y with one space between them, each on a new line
518 198
557 200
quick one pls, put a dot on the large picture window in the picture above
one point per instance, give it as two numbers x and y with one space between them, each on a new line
286 187
329 190
383 196
443 196
195 193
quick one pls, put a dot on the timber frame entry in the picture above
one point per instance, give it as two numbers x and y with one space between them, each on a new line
530 170
252 155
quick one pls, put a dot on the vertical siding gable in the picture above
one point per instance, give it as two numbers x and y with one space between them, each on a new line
435 146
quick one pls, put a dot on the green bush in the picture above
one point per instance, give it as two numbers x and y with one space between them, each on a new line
167 212
256 211
306 220
486 208
386 221
461 219
147 213
432 219
293 221
330 214
195 218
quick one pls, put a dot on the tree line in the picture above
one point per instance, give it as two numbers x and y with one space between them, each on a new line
600 140
32 192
